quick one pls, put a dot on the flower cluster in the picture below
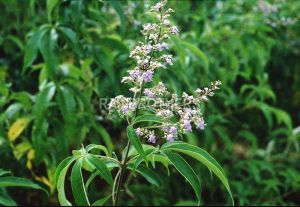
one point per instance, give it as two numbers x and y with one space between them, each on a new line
178 115
124 106
271 13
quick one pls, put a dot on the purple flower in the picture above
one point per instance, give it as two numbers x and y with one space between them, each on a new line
187 125
134 73
201 125
138 131
170 138
148 75
169 60
173 130
149 93
174 30
148 49
146 27
166 22
162 46
157 6
152 138
125 109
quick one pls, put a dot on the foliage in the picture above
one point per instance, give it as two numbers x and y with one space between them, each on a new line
55 67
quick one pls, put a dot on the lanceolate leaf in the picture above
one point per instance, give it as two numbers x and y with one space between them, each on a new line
77 184
148 118
139 159
105 136
4 172
66 103
17 128
12 181
50 6
101 201
118 7
43 101
147 173
31 49
72 38
185 169
202 156
97 146
6 200
60 175
48 47
101 167
136 142
198 53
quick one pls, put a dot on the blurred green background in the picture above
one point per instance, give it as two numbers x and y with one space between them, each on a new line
58 57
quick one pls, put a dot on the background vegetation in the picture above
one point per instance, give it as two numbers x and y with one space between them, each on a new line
57 58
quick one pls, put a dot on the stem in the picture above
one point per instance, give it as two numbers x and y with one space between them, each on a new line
124 163
122 171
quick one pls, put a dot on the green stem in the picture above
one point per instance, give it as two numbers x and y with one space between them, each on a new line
124 163
123 168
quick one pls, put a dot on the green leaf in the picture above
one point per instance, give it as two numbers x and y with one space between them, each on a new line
77 184
118 7
6 200
147 118
101 201
66 102
97 146
50 6
31 48
139 159
72 38
135 140
185 170
4 172
147 173
60 175
48 48
105 136
43 101
198 53
101 167
202 156
12 181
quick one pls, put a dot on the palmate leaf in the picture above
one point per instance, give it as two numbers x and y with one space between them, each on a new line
185 170
136 142
202 156
77 184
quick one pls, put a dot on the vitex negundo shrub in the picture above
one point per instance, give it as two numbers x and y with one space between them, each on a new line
154 114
